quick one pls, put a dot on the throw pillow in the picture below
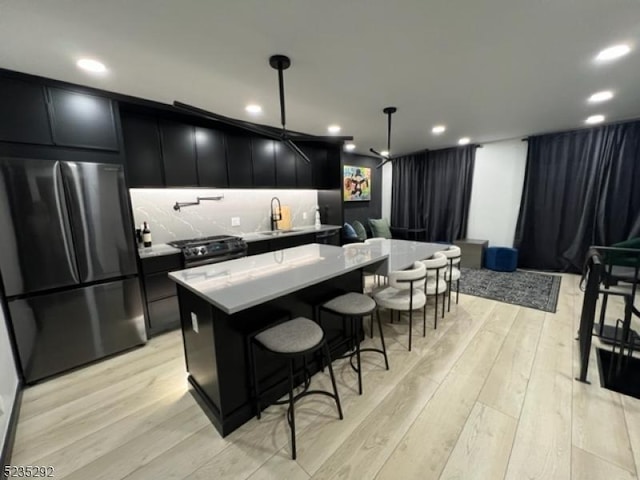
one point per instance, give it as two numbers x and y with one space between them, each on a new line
349 232
360 230
379 227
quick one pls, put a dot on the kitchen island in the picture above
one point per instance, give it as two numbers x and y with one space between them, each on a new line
223 304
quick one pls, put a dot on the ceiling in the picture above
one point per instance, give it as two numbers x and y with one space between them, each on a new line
490 70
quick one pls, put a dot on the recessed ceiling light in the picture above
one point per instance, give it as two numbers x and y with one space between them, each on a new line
333 128
350 147
253 108
601 96
438 129
90 65
594 119
384 153
613 52
464 141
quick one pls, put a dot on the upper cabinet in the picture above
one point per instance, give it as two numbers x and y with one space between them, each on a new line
211 158
264 162
142 151
304 170
285 166
178 154
81 120
24 112
239 161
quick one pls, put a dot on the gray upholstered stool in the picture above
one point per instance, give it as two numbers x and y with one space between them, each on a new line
354 307
293 339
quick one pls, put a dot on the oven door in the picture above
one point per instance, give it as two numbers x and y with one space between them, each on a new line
218 259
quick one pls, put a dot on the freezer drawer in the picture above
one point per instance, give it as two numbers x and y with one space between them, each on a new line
59 331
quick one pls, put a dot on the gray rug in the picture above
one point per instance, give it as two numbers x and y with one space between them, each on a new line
528 289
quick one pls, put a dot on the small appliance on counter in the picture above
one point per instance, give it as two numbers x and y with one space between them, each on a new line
146 235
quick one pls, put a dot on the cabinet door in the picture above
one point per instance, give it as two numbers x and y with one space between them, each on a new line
321 170
178 154
285 166
239 161
258 247
142 151
211 158
81 120
304 170
24 113
264 162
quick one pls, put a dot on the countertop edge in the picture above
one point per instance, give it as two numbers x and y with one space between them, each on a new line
253 303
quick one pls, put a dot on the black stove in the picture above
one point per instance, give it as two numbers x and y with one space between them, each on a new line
205 250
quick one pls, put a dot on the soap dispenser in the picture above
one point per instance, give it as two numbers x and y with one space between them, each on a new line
318 224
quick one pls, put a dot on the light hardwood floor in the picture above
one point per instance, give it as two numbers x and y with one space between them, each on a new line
488 395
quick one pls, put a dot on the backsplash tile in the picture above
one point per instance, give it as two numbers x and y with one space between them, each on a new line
213 217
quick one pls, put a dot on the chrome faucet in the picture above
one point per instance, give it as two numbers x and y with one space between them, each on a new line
275 217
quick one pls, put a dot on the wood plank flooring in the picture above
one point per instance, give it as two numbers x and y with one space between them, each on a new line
490 394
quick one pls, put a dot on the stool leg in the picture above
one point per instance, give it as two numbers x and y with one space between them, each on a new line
410 327
357 330
444 297
603 310
292 424
424 318
457 291
384 347
254 371
327 355
371 326
449 289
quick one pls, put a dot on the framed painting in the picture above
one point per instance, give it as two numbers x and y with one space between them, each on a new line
356 184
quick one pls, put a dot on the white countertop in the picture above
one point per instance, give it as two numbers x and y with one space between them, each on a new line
239 284
156 250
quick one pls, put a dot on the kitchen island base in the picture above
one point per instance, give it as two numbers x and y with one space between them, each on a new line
216 347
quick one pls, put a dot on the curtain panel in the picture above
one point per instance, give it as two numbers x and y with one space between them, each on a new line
581 188
431 190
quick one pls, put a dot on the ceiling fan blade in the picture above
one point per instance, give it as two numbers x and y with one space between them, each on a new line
226 120
319 138
375 152
382 164
294 148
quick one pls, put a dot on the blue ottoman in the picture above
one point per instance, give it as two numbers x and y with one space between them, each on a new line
501 259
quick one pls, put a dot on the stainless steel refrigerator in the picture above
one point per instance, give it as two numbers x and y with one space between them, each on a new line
67 258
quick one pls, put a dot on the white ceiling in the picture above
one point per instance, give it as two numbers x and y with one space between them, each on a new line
488 69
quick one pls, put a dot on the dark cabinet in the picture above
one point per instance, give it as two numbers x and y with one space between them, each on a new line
24 115
178 154
264 162
285 166
304 170
142 151
161 293
273 244
211 158
81 120
239 161
256 248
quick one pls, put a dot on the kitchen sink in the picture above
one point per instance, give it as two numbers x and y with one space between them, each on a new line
275 233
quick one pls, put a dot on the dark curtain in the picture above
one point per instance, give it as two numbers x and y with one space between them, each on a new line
581 188
431 190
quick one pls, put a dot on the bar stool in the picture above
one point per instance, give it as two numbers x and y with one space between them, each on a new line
354 307
376 241
292 339
435 285
452 273
405 292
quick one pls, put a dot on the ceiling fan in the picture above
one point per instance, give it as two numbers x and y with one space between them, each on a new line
279 63
388 111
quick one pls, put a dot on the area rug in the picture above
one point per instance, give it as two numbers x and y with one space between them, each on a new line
528 289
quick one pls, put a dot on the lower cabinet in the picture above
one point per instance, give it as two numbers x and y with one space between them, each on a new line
163 312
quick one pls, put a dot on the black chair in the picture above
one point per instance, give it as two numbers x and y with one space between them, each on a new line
352 307
291 340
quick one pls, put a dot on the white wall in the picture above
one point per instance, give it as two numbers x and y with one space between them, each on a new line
8 379
387 178
496 192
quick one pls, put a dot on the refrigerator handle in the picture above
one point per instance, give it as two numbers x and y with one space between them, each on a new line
63 218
